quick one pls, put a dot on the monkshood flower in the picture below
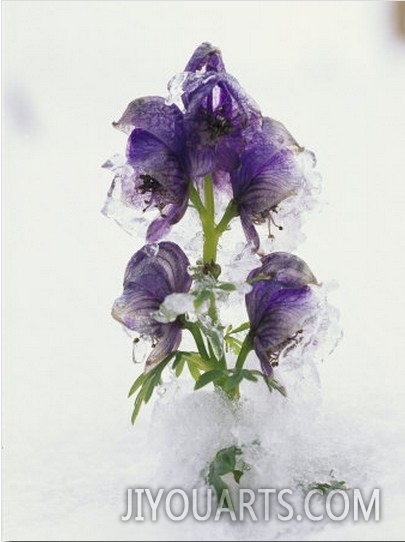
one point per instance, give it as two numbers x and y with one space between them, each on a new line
269 173
219 116
279 305
155 176
169 146
153 273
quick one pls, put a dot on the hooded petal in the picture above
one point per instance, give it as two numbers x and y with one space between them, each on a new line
285 269
275 135
154 115
166 262
205 58
219 120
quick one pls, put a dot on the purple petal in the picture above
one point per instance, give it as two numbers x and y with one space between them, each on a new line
175 263
205 58
260 188
263 356
133 309
161 225
219 121
150 154
288 270
275 134
283 323
166 263
249 229
167 343
279 305
155 116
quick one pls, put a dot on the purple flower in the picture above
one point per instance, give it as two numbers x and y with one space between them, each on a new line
156 177
279 305
268 174
169 146
154 272
219 120
219 117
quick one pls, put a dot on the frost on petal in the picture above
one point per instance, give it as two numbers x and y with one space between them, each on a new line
122 204
154 115
152 179
174 305
162 224
205 58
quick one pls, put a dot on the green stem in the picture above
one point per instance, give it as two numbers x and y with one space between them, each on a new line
209 197
230 212
197 336
247 347
211 236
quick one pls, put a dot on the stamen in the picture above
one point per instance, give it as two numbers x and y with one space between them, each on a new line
286 345
270 221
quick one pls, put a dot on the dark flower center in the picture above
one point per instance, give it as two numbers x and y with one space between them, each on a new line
158 192
149 184
214 125
218 125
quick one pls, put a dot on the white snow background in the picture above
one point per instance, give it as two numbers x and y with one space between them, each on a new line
334 74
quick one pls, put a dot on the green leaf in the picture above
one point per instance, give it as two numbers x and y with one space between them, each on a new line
179 363
227 286
147 383
234 344
208 377
257 278
137 405
201 298
216 482
138 382
195 373
225 462
233 381
242 327
248 375
325 487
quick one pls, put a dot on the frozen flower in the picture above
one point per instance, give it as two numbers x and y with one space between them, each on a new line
279 305
219 116
156 176
220 119
153 273
270 172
